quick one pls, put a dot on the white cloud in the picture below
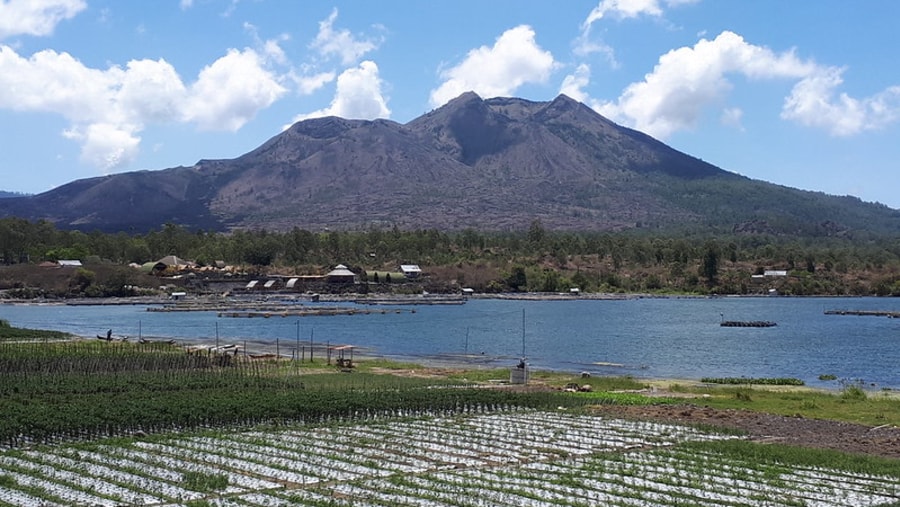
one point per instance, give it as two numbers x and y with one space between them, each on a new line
584 45
150 91
732 117
687 80
812 102
107 109
186 4
107 146
306 85
514 59
573 84
39 18
270 48
623 9
330 42
358 96
230 91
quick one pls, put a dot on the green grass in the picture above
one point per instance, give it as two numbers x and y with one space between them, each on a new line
198 481
850 405
10 333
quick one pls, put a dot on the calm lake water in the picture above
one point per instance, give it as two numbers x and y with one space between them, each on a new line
644 337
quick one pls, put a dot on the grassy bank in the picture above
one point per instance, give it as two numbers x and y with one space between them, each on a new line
850 404
8 332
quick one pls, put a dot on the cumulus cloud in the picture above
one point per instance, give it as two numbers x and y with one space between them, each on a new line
106 145
513 60
341 43
229 92
624 9
307 84
24 17
108 108
814 102
358 96
687 80
585 45
573 84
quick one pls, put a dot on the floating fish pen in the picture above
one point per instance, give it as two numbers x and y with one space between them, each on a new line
865 313
413 300
748 323
305 313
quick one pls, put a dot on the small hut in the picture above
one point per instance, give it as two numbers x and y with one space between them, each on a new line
340 274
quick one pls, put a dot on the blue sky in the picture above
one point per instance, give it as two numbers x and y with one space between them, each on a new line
800 93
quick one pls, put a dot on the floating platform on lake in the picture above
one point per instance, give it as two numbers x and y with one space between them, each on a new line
413 300
748 323
865 313
304 313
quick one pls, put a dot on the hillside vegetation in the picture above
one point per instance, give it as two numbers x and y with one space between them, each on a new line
532 260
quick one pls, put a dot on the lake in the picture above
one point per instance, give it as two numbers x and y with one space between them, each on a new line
645 337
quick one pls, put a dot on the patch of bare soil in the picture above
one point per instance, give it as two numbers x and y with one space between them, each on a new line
816 433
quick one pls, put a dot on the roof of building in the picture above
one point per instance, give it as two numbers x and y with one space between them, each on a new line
340 270
172 260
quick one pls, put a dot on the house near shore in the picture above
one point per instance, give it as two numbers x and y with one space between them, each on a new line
169 262
340 274
61 264
411 270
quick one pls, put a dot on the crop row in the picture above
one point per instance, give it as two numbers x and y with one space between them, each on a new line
54 418
80 390
515 458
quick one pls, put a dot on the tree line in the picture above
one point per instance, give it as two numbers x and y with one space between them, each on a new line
536 259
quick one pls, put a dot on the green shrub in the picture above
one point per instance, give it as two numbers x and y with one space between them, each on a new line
853 391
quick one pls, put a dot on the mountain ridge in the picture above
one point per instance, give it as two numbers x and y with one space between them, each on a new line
491 164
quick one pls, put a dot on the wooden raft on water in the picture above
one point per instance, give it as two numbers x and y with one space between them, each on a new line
747 323
865 313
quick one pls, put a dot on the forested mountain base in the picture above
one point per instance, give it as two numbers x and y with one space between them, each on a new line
535 260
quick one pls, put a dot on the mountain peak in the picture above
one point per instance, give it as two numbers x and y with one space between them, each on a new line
494 164
464 98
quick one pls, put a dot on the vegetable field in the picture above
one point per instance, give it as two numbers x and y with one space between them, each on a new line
515 457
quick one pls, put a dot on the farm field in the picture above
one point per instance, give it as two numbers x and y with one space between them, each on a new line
96 423
513 457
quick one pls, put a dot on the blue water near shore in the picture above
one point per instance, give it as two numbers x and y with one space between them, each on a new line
644 337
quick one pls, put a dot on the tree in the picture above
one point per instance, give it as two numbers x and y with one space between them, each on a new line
517 279
536 233
81 280
709 268
551 281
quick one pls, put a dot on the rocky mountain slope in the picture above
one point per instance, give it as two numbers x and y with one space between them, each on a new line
495 164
